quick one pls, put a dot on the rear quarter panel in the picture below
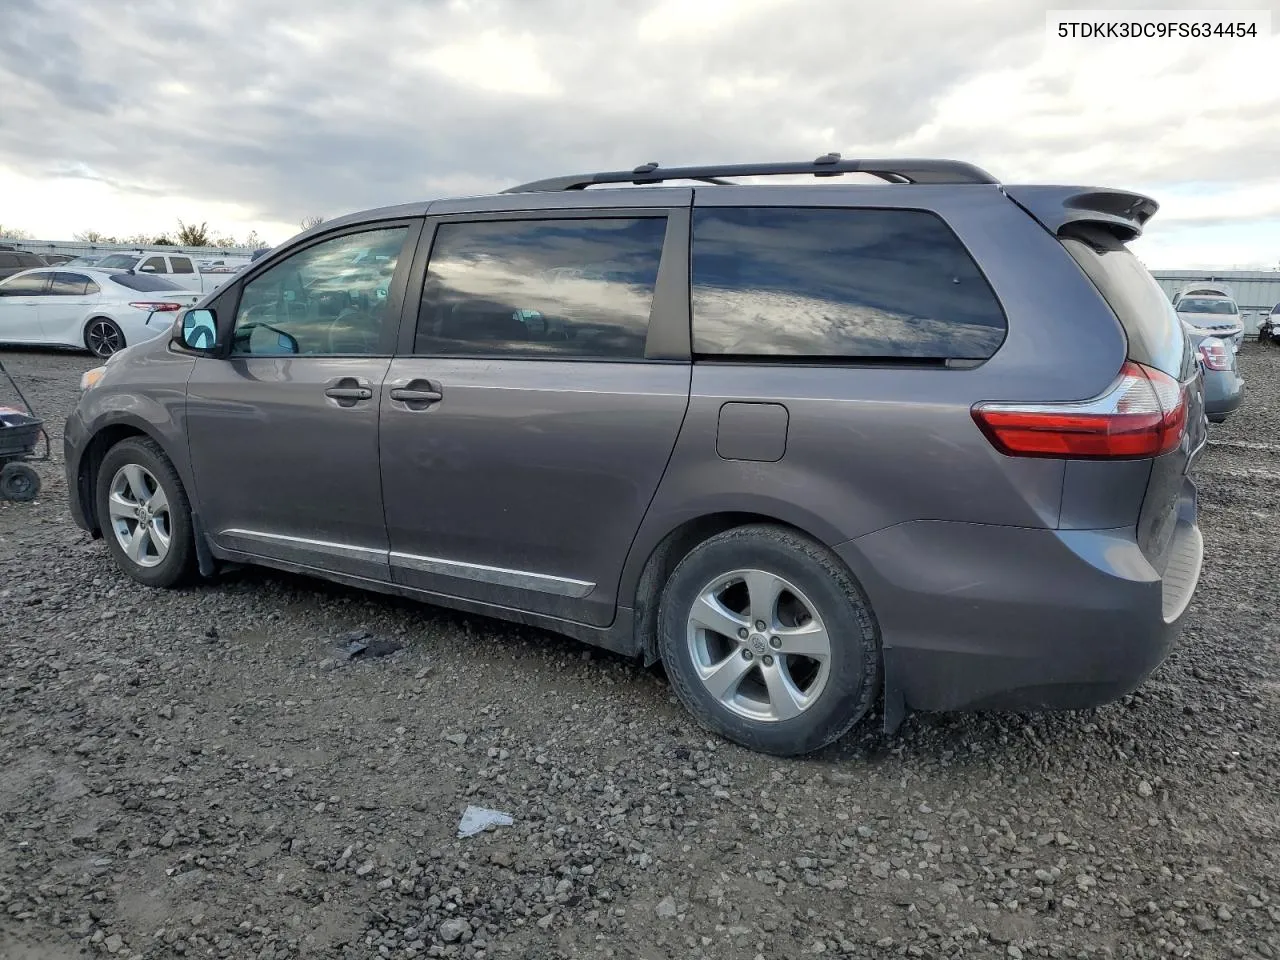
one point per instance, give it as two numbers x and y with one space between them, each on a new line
873 446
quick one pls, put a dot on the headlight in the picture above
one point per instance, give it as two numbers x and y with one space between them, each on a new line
90 377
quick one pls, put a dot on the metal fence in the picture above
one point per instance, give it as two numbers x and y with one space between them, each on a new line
78 248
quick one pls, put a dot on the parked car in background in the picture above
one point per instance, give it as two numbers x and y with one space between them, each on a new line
224 263
15 261
56 259
1204 288
178 268
1223 385
94 310
85 260
1269 329
810 446
1212 316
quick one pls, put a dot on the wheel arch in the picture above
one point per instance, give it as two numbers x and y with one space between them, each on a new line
645 586
673 546
103 438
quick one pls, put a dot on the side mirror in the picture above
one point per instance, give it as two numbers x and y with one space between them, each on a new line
197 330
147 268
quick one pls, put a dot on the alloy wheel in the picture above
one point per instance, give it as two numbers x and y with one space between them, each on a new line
104 338
140 517
758 645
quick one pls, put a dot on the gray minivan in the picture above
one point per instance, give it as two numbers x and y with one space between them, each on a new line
812 447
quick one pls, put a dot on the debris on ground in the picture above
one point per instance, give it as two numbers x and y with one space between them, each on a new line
478 819
362 644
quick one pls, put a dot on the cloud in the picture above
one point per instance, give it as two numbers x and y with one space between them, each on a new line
281 111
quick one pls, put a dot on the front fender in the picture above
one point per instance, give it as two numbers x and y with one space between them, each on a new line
143 393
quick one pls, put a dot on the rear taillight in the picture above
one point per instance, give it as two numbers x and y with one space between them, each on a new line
1214 355
161 307
1143 414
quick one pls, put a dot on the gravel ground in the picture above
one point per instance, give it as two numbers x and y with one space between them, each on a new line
199 774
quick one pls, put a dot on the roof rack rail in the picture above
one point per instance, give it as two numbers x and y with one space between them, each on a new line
828 165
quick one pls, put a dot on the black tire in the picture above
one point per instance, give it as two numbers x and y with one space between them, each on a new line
19 482
177 565
853 682
103 337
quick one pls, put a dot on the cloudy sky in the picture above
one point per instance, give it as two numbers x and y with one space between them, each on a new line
123 116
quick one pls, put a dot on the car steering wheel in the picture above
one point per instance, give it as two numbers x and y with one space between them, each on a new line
338 329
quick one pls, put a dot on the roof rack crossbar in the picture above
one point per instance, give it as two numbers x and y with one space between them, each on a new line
829 165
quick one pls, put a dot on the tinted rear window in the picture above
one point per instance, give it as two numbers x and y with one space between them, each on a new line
72 285
143 282
1149 320
8 259
832 284
1225 308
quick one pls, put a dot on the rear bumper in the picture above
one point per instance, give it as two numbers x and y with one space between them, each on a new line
974 616
1223 392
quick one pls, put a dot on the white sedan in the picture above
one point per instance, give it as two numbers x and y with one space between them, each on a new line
91 309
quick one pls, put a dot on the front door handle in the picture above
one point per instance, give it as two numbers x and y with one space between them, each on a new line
348 391
416 394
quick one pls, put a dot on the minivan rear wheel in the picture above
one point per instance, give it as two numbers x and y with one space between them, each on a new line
768 640
144 514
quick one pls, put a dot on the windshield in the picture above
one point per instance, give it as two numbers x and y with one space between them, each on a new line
117 261
1198 305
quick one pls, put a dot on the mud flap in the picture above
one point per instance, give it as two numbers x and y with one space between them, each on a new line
204 559
895 701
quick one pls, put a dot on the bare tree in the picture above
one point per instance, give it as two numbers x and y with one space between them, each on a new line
309 222
189 235
14 233
253 241
93 236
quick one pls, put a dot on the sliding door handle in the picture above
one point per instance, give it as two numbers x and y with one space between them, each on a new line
410 395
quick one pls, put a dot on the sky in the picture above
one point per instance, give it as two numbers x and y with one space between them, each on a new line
123 117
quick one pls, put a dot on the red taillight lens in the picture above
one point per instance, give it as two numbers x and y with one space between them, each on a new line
1213 353
1143 414
162 307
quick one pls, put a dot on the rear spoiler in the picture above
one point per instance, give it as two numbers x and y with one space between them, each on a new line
1117 211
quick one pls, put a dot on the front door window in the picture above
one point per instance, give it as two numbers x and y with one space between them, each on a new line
328 300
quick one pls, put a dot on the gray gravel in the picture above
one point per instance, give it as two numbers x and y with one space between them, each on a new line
207 774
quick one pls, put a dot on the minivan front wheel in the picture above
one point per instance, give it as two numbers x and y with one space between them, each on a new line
768 640
144 514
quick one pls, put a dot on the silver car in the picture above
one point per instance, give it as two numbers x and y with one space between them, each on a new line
1208 316
926 443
